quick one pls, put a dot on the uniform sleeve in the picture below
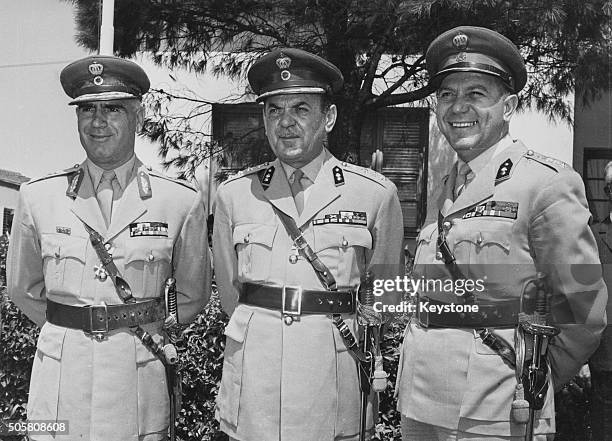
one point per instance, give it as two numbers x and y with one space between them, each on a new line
191 260
226 260
565 249
25 279
386 260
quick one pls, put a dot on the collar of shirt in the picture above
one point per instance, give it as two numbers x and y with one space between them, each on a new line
310 170
481 161
123 172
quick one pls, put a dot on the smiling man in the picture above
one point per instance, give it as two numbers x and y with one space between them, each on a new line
505 213
288 373
90 251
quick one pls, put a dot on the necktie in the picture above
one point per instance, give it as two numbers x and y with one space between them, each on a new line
105 195
464 177
297 189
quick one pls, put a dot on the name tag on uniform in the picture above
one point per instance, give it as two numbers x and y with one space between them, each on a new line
343 217
509 210
149 229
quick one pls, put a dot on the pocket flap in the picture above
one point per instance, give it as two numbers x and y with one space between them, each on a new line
500 237
426 234
51 340
60 246
148 249
254 233
332 236
238 324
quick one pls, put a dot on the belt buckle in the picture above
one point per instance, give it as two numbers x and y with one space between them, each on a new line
290 308
422 316
97 332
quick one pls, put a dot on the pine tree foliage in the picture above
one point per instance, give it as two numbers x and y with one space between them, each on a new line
378 45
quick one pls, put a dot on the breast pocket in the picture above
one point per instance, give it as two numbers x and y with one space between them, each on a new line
253 244
426 244
342 249
483 242
63 261
148 263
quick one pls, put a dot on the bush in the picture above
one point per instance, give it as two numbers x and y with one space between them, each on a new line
201 353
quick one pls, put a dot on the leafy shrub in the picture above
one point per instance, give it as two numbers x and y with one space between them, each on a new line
17 346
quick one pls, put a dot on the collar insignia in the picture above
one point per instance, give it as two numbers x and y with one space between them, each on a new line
503 172
266 177
338 176
74 183
144 185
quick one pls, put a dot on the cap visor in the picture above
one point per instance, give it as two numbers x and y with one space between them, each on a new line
104 96
290 91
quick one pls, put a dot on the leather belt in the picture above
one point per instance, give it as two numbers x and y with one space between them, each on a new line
494 314
100 319
294 301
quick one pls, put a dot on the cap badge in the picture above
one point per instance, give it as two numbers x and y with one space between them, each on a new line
461 56
285 75
283 61
96 68
460 41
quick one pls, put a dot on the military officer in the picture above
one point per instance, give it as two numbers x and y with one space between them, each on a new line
89 368
600 363
505 212
287 373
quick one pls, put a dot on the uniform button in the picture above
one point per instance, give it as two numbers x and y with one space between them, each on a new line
103 276
438 255
150 257
247 238
293 258
344 242
529 152
479 240
57 255
446 225
107 246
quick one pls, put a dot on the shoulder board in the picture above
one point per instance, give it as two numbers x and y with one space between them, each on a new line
247 171
65 172
367 173
552 163
167 178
